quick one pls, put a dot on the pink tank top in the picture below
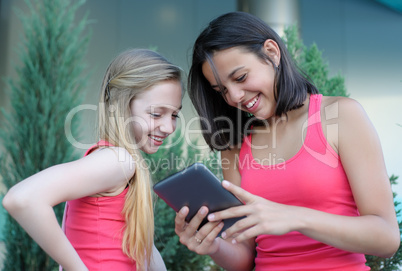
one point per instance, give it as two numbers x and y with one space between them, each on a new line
312 178
94 226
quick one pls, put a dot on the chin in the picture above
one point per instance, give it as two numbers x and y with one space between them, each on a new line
150 150
264 115
260 117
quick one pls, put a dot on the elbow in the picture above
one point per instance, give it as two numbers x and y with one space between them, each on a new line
392 246
13 202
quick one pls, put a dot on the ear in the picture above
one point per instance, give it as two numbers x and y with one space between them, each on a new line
271 48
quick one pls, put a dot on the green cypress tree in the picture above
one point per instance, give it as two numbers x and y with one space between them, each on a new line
48 86
311 62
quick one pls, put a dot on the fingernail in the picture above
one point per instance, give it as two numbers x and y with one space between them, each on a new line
211 217
225 183
223 235
183 211
234 242
203 211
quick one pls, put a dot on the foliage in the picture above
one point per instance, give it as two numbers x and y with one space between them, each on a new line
311 62
162 164
48 85
177 256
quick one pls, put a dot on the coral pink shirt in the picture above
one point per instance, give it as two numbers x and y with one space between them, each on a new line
94 226
312 178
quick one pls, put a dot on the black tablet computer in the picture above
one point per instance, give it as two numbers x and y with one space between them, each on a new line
196 186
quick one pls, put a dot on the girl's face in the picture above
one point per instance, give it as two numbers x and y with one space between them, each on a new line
154 113
247 80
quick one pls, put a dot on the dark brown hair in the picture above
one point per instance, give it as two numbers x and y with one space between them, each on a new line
240 29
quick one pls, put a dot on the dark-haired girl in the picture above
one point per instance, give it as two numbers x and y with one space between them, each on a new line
309 168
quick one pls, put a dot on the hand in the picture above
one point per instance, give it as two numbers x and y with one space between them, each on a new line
204 241
262 216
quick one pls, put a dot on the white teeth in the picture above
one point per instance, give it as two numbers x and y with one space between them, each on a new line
250 104
157 138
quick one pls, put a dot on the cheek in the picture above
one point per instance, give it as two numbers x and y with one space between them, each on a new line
140 127
228 100
137 130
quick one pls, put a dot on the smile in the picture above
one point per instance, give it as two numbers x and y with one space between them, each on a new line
251 103
157 138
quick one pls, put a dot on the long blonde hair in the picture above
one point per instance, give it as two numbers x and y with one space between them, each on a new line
129 74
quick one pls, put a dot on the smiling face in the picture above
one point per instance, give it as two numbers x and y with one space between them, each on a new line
154 113
247 80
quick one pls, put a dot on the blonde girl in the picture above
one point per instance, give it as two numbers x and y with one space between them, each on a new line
108 222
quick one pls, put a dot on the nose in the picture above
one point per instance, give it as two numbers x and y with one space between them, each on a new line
235 95
168 125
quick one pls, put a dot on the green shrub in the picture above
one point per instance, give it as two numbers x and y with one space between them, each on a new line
48 86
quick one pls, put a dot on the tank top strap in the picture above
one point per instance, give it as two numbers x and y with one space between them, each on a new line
314 109
101 143
312 126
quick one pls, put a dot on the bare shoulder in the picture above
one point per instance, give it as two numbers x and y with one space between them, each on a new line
344 106
113 161
343 111
341 116
120 158
117 159
353 124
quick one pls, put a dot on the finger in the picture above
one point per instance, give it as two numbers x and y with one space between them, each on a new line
239 227
212 235
239 192
245 235
180 222
206 244
195 222
180 218
238 211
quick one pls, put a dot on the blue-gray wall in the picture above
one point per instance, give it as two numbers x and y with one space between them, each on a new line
361 39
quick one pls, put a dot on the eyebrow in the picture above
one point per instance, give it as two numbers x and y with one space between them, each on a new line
230 75
164 107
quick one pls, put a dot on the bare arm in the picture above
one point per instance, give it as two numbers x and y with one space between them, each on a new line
361 155
227 255
240 256
31 201
157 263
374 232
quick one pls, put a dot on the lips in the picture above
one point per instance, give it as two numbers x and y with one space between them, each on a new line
252 104
157 140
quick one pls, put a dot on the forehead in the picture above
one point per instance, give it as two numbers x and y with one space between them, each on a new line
229 55
166 94
226 61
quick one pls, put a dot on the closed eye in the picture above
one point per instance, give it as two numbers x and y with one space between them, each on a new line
241 78
155 115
